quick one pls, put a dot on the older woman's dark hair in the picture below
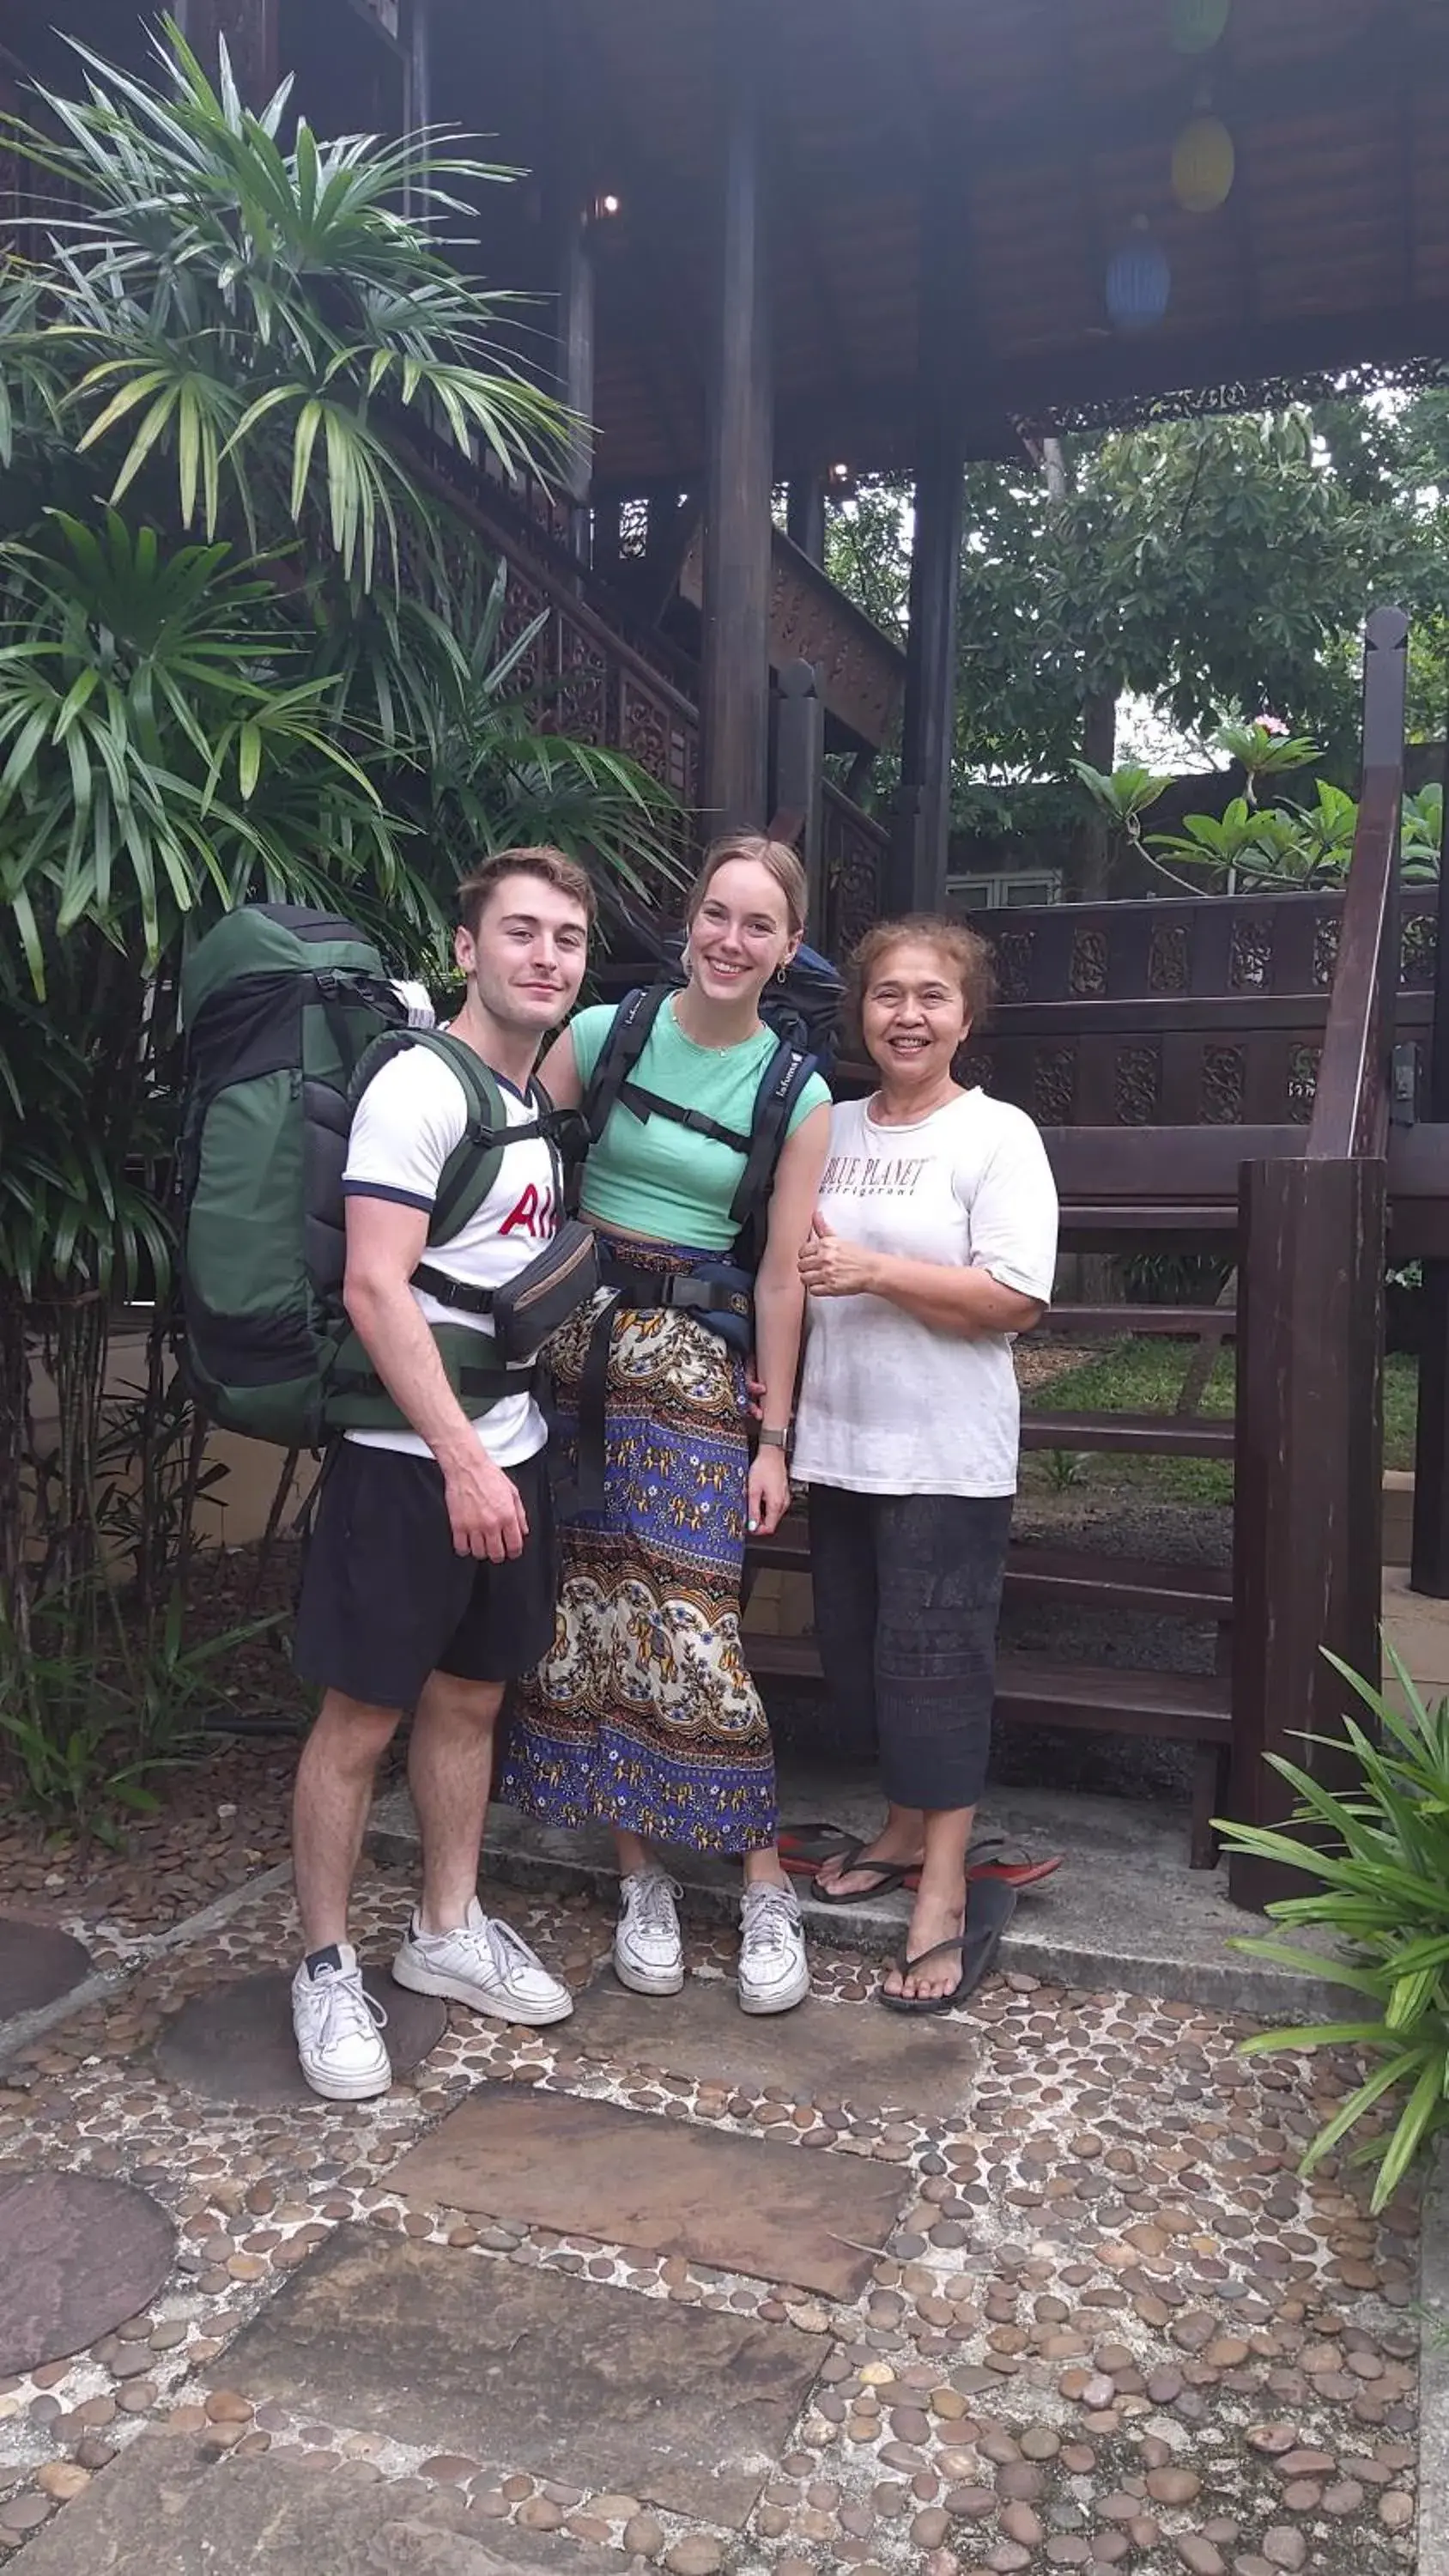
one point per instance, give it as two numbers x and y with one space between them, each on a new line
960 950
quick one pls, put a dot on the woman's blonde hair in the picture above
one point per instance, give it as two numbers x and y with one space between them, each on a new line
968 957
776 857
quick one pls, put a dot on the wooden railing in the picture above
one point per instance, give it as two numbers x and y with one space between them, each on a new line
1311 1257
1351 1100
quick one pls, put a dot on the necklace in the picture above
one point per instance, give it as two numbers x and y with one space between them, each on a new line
709 1046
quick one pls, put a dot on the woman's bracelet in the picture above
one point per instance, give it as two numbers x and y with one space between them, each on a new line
775 1439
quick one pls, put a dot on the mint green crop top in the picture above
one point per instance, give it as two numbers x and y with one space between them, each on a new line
650 1176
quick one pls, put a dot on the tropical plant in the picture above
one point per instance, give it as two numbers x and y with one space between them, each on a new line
230 665
1264 751
261 317
1380 1852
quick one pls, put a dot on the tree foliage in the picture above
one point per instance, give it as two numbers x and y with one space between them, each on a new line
1218 569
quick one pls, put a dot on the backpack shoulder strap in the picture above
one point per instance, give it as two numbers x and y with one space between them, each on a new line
781 1084
473 1165
629 1035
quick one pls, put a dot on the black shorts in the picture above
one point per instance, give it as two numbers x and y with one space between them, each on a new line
386 1599
907 1593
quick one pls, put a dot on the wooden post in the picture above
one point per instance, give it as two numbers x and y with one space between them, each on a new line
418 76
576 366
805 515
799 778
250 29
1309 1471
735 672
1429 1570
920 838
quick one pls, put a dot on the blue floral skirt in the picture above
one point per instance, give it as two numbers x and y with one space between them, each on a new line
644 1716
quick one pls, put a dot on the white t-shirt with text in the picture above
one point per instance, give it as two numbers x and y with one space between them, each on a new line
890 1405
410 1117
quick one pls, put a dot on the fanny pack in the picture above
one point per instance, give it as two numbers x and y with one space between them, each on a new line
531 1306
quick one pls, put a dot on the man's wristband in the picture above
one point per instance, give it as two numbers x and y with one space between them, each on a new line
775 1439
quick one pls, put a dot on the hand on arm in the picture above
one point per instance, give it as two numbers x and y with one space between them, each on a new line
940 1293
780 1309
385 1243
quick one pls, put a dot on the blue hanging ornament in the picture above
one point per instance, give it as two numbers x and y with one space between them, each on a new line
1139 281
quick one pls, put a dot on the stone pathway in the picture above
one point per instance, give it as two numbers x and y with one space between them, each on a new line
1037 2288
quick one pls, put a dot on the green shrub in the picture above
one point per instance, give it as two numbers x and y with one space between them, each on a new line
1380 1851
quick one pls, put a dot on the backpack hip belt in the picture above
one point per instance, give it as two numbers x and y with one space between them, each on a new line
357 1400
719 1294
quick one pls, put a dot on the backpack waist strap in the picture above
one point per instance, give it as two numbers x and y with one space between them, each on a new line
357 1400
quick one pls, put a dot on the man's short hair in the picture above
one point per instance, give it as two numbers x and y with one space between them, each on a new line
550 867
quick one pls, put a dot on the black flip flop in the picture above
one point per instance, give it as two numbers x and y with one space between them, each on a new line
805 1848
887 1874
990 1905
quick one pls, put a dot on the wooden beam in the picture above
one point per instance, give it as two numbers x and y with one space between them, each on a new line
1429 1568
1306 1545
946 358
805 514
1073 378
735 671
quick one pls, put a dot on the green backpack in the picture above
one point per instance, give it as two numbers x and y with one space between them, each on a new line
288 1013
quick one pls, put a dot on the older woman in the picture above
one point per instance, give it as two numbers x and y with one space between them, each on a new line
934 1242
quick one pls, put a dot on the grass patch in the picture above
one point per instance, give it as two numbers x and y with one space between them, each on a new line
1144 1376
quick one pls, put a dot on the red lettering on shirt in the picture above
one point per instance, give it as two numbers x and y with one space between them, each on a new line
532 1215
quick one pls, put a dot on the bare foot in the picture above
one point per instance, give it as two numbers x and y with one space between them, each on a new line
861 1878
933 1920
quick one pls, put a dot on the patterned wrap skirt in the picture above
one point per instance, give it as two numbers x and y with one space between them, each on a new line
644 1715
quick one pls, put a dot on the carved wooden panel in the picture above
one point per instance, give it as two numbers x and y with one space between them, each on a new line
1138 1081
1167 958
862 672
1302 1082
1054 1086
853 849
1222 1086
1251 954
1088 974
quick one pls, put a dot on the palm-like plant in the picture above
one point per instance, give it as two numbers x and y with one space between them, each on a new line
1379 1852
229 666
259 316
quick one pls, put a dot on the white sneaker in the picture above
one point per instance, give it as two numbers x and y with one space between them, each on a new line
485 1965
648 1951
339 2028
774 1973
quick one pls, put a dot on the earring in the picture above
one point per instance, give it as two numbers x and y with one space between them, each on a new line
781 974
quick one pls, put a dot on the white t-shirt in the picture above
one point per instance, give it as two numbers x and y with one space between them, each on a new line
410 1117
890 1405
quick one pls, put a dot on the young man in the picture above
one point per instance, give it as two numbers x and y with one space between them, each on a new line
430 1577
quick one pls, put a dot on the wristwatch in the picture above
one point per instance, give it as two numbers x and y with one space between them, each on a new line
775 1439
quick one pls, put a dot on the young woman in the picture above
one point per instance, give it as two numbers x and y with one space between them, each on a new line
643 1716
934 1241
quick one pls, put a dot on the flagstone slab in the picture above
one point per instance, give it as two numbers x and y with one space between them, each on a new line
79 2254
234 2043
169 2507
848 2052
38 1965
817 2221
533 2371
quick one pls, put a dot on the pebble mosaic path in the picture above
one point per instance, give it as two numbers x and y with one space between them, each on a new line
1109 2326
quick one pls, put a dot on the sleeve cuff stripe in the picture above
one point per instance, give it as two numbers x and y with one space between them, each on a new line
380 1190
